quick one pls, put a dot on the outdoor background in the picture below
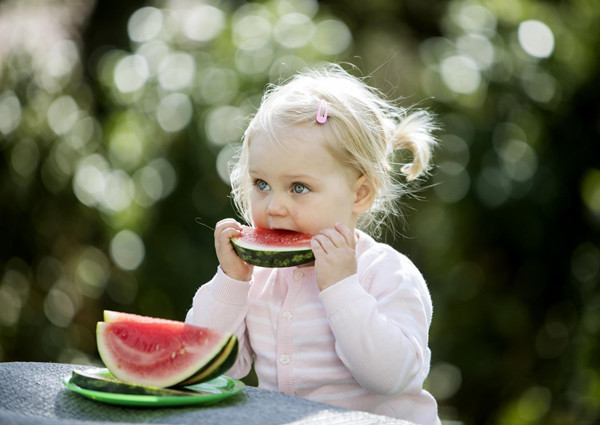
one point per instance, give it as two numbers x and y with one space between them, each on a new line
117 119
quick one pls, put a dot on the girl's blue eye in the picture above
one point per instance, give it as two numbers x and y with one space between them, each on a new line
300 188
262 185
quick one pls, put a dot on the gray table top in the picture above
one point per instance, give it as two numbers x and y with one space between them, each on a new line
33 393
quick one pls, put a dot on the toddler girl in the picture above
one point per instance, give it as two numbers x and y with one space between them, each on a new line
350 329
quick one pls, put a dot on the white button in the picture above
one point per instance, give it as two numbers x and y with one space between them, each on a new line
298 274
284 359
287 315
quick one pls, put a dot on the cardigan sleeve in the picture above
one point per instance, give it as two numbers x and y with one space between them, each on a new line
380 318
222 304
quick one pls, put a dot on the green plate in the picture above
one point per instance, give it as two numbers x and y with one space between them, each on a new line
208 393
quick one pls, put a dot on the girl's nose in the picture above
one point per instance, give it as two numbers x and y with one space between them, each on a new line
276 206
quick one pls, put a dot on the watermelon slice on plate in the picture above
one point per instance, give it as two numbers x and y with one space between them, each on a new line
273 248
162 353
101 385
102 380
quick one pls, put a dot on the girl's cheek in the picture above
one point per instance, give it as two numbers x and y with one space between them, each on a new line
259 217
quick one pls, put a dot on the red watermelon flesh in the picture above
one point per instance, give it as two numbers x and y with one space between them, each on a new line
156 352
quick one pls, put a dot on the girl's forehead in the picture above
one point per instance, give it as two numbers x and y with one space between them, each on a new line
290 138
295 150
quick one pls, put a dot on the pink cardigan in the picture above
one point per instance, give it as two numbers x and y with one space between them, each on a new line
360 344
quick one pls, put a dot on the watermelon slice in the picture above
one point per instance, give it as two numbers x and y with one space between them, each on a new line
162 353
273 248
102 380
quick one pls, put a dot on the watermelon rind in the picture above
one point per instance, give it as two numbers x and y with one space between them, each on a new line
219 365
102 380
273 258
137 367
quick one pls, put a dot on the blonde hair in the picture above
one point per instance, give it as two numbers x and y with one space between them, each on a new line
362 131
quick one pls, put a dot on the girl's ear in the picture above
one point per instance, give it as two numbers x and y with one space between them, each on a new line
365 193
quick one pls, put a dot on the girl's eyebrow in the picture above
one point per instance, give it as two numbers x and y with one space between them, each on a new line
296 176
255 172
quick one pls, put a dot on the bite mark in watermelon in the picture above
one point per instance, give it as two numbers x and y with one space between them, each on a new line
273 248
161 353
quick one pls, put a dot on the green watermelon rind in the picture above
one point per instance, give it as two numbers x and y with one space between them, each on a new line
273 258
99 380
218 366
111 363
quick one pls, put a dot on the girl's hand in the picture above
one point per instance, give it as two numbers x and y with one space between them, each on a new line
232 265
335 256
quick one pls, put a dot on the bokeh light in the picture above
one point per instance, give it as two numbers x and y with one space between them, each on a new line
293 30
154 182
174 112
331 37
460 74
89 181
224 160
59 307
10 112
217 85
91 272
203 23
63 114
536 38
127 250
252 28
590 190
14 291
225 124
176 71
131 73
145 24
24 160
444 380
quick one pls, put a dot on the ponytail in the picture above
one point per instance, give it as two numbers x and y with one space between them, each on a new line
415 133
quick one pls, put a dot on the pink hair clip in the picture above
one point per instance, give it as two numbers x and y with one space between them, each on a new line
322 112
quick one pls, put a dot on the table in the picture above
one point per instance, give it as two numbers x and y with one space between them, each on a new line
33 393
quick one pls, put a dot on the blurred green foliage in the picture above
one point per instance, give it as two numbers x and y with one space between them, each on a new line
117 120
